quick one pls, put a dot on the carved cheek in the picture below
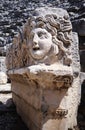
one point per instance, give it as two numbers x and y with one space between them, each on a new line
30 45
45 45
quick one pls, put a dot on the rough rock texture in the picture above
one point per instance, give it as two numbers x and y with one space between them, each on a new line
45 79
3 64
3 76
5 93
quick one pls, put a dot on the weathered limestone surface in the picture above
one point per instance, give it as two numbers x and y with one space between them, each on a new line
3 76
44 67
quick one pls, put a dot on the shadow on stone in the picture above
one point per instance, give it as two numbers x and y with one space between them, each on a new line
9 119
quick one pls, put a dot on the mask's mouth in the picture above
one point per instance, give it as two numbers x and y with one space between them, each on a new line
36 47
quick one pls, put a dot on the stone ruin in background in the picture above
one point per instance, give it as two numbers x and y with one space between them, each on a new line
44 68
3 76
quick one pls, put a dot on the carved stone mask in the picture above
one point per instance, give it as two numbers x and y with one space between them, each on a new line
40 43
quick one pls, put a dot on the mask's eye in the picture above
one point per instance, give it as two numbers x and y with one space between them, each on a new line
42 35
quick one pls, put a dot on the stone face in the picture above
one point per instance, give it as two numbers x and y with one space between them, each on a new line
54 29
43 65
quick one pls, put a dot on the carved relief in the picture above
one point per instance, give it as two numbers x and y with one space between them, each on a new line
40 66
54 113
61 113
43 39
63 82
56 32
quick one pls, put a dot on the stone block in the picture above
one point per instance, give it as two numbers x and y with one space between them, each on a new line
44 67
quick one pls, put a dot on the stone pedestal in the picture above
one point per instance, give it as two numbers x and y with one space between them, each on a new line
46 100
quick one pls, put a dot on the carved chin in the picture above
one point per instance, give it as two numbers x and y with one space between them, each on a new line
38 55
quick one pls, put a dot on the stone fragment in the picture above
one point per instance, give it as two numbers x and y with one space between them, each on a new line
44 68
3 78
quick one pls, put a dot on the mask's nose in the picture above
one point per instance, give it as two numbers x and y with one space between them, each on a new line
35 42
35 39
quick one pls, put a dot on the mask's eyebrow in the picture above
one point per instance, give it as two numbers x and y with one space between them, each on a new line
42 32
